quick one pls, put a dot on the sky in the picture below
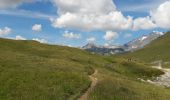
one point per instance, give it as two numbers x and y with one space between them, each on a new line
78 22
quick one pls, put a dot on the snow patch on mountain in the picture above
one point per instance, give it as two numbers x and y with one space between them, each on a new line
130 46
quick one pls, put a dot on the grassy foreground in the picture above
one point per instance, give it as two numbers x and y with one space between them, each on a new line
33 71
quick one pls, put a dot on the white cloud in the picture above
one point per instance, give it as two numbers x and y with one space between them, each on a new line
37 27
143 23
85 6
71 35
110 35
84 15
157 18
161 15
40 40
5 31
90 15
18 37
106 44
11 3
91 39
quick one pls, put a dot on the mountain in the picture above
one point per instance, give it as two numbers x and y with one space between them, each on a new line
30 70
159 49
142 41
104 50
128 47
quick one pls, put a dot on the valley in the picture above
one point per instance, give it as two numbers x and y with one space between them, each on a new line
84 49
131 46
31 70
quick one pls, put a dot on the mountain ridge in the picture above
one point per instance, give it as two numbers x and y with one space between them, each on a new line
158 49
133 45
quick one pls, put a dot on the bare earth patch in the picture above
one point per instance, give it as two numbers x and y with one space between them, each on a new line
93 84
163 80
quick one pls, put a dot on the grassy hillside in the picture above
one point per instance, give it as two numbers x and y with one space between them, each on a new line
157 50
33 71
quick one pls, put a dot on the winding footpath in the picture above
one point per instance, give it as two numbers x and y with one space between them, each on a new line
163 80
93 84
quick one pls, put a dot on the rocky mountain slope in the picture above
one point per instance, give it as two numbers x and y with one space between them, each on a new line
157 50
128 47
142 41
105 50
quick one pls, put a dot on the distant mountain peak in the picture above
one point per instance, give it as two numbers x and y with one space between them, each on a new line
142 41
105 50
89 45
130 46
143 38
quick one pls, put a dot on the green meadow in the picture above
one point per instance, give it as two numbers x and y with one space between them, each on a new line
33 71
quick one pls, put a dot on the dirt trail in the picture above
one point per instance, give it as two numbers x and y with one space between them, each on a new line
93 84
163 80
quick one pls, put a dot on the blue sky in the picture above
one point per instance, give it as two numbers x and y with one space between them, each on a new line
52 21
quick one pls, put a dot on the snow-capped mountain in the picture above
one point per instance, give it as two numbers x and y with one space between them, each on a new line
105 50
142 41
130 46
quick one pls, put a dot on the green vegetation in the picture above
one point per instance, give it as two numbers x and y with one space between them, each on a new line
33 71
117 87
157 50
119 81
166 65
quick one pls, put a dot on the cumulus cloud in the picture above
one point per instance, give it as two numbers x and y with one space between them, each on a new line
71 35
106 44
84 15
11 3
91 39
158 18
161 15
40 40
110 35
18 37
5 31
37 27
86 6
143 23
